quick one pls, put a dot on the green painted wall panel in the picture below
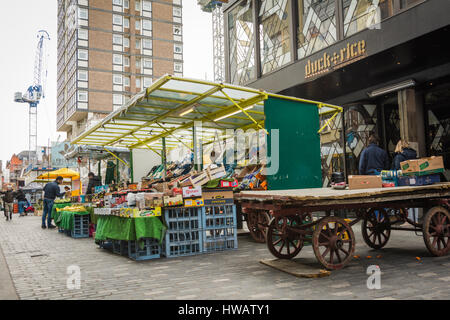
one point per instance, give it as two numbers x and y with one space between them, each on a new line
299 144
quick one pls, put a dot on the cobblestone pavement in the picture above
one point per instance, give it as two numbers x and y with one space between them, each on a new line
38 261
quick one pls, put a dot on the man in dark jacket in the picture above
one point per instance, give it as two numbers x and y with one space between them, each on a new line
51 191
93 182
8 200
373 158
23 202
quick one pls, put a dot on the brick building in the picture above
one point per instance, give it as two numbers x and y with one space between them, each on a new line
109 50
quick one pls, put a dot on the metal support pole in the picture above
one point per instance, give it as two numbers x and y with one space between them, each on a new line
117 172
131 167
163 157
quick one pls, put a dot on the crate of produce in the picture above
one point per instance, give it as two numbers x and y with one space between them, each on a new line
183 236
219 228
149 249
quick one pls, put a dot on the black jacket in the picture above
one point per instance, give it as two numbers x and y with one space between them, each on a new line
51 191
406 154
373 160
94 182
20 196
8 196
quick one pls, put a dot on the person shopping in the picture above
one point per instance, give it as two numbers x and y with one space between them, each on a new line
373 159
51 191
23 202
8 200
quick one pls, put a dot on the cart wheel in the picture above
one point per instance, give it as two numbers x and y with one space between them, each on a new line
257 223
333 242
436 231
376 228
282 242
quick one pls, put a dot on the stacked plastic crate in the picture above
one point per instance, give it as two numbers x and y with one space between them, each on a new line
219 227
80 228
184 233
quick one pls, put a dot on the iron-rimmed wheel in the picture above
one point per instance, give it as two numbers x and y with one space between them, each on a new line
282 242
257 222
376 228
436 231
333 242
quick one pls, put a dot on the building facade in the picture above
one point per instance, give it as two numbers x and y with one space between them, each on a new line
109 50
385 61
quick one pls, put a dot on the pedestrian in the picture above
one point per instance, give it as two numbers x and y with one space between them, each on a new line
51 191
93 182
23 202
403 152
8 201
373 159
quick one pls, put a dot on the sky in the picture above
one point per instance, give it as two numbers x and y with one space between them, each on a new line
20 21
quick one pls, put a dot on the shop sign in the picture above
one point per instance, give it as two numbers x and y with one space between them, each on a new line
329 62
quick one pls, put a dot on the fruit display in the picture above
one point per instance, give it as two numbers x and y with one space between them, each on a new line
65 200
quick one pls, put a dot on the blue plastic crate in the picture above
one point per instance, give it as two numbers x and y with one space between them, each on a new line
184 234
80 228
151 249
218 216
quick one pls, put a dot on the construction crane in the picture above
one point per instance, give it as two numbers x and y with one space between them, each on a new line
35 92
215 7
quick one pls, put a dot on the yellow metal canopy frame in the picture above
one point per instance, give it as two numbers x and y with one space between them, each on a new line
171 107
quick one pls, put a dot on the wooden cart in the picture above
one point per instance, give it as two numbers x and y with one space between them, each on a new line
284 219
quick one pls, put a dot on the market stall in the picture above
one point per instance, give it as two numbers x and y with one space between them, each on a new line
192 114
66 173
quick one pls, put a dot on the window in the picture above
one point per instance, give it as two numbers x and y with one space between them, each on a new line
138 63
83 13
117 2
126 22
148 63
177 12
360 14
117 99
82 75
146 24
126 61
117 19
117 39
117 59
138 83
147 5
178 48
147 43
83 34
117 79
126 81
126 42
138 43
137 6
82 54
147 82
138 25
177 2
82 96
177 30
126 4
178 67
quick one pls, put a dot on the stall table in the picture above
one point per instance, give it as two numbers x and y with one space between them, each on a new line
285 217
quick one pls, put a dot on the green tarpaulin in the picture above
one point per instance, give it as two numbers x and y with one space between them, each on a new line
129 229
56 216
66 221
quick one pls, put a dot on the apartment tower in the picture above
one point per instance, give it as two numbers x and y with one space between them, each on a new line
109 50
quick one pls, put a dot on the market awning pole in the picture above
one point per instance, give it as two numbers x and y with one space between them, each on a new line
115 156
131 167
163 157
172 136
147 145
328 122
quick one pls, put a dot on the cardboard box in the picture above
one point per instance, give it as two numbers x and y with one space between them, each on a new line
216 173
364 182
173 201
200 179
194 202
218 197
229 184
192 192
409 166
431 163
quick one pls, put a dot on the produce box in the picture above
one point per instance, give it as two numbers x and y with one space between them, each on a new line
216 173
215 197
192 192
173 201
423 166
409 166
194 202
418 180
229 184
364 182
200 179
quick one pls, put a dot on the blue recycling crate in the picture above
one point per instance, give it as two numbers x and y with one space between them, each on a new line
80 228
184 231
151 249
219 228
